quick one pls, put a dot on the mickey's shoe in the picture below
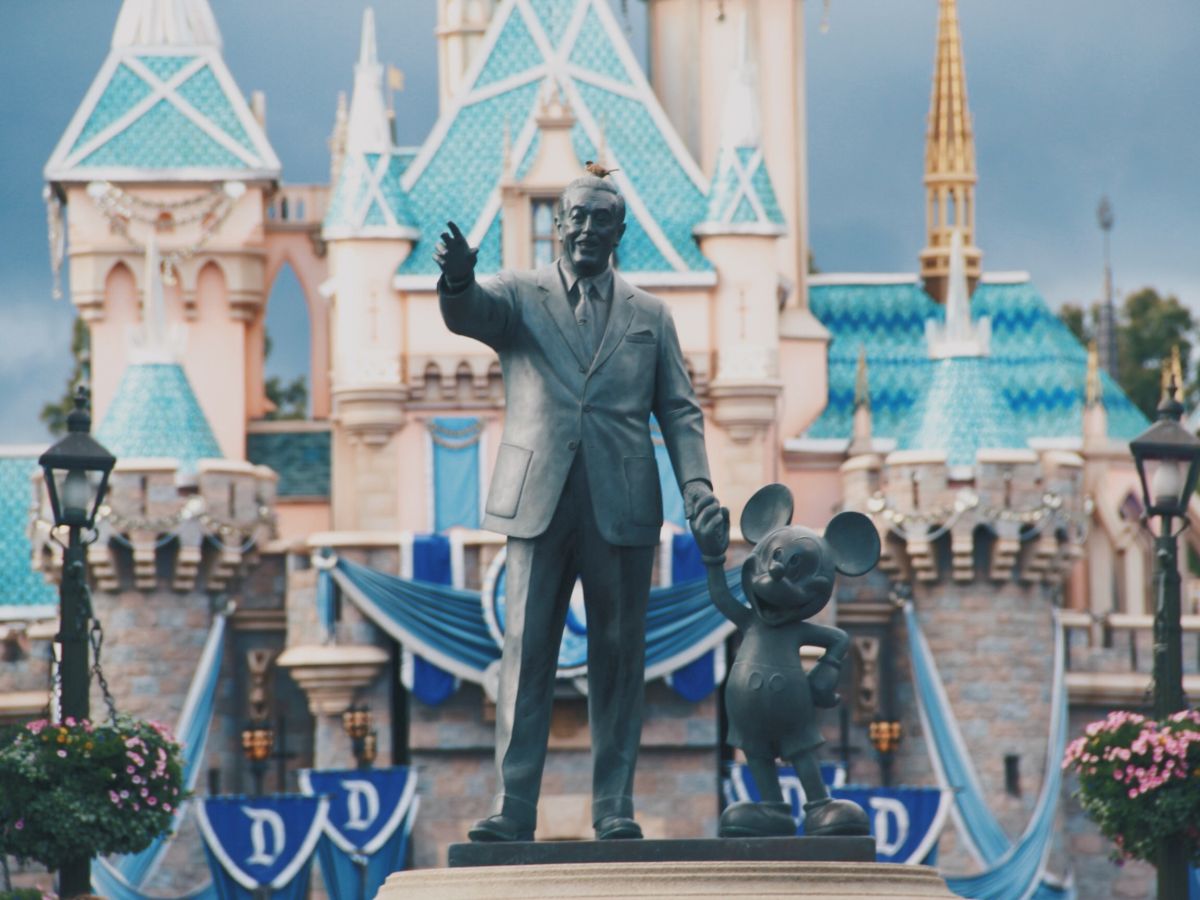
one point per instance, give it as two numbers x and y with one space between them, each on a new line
748 819
611 828
835 817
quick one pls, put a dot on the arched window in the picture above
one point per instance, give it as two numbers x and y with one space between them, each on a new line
286 377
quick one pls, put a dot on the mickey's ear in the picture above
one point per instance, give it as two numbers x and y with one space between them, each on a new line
768 509
854 541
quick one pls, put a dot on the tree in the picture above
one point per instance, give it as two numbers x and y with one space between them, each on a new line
54 413
288 400
1148 326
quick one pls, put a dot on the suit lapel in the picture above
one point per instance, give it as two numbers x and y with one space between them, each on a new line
618 320
558 307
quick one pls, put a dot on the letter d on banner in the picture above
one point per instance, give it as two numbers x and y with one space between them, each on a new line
362 804
888 841
260 819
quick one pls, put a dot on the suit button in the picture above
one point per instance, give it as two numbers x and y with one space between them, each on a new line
587 407
571 445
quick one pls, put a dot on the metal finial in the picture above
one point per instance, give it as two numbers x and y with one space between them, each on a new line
1104 214
79 420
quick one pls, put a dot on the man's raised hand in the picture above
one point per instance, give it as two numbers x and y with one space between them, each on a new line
455 256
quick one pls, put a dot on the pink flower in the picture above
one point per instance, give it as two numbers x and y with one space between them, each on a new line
20 825
37 725
167 807
153 801
62 753
69 721
1117 775
129 770
144 792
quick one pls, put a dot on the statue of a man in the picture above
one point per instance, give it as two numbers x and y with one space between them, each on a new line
586 359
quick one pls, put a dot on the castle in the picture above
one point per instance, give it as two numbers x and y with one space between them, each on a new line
948 403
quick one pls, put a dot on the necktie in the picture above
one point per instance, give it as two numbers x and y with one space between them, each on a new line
585 317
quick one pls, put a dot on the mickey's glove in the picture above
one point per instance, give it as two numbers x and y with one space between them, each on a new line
822 681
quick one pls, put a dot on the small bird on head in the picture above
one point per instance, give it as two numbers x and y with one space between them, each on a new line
598 170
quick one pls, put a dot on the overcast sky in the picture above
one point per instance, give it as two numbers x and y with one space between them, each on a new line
1072 99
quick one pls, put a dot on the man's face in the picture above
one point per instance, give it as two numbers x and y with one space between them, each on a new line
589 227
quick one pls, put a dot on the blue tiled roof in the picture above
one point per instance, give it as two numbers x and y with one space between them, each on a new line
349 212
20 585
741 193
218 134
299 458
155 413
457 177
1036 368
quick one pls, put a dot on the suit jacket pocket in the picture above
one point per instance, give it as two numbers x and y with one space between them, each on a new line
645 494
508 480
641 337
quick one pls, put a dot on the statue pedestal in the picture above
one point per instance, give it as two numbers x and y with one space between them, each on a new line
810 868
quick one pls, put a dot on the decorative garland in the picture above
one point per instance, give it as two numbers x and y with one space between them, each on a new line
194 509
945 517
455 438
210 209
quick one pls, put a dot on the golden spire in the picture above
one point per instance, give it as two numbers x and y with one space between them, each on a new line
949 161
1172 375
1093 390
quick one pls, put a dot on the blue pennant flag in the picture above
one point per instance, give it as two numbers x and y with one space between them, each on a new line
371 814
906 821
254 843
430 684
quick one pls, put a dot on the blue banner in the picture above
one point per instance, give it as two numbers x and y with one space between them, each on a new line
455 465
371 814
905 821
695 680
254 843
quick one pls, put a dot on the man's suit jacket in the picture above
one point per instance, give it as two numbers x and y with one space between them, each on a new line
560 403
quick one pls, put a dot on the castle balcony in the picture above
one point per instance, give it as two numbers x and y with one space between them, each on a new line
297 207
1110 657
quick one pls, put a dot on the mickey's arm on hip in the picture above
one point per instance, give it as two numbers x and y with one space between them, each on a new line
710 525
479 311
824 677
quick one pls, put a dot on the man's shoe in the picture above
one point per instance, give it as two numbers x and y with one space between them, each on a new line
499 828
617 828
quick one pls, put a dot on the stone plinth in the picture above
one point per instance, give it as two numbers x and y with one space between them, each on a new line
619 880
780 849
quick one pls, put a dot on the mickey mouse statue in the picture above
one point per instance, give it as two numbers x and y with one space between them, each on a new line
769 698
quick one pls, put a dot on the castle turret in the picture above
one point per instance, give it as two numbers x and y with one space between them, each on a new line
164 147
949 163
741 228
368 230
461 25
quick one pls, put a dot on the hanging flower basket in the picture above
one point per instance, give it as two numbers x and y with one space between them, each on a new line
1139 780
77 789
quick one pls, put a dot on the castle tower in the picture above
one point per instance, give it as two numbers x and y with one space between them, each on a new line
692 52
982 529
369 232
949 162
740 231
460 28
165 147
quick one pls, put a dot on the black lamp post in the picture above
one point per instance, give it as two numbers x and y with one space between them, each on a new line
1168 460
76 471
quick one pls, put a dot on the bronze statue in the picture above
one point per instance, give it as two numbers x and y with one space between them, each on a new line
769 698
586 359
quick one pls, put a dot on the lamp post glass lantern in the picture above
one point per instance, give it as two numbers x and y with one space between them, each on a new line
76 471
358 723
1167 457
258 740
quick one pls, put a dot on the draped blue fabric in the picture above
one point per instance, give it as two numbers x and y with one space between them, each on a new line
192 729
695 680
455 472
256 843
671 496
431 562
1194 883
447 626
108 882
326 613
367 833
1013 870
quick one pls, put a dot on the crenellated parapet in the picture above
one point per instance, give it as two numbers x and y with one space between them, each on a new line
1016 515
160 524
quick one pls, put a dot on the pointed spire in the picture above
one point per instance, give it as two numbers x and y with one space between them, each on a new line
1094 388
369 130
153 340
861 437
337 138
741 198
958 336
157 23
950 174
1172 375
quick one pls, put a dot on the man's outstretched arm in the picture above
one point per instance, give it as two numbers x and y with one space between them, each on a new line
484 312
